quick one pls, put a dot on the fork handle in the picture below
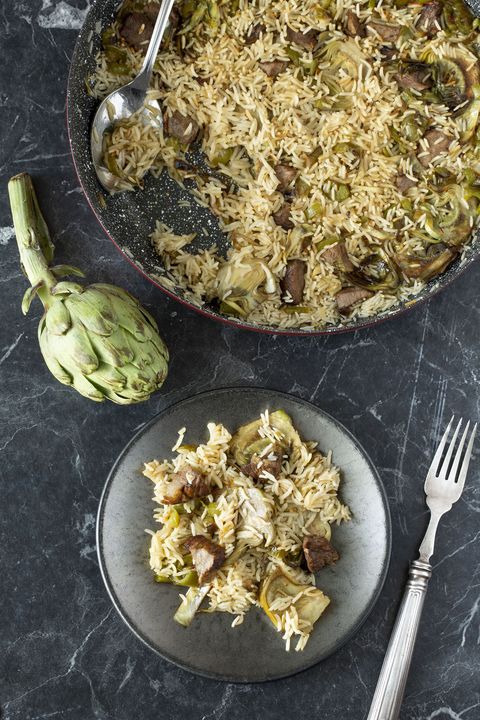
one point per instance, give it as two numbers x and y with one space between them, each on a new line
393 675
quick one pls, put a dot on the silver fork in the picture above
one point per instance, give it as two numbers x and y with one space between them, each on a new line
443 487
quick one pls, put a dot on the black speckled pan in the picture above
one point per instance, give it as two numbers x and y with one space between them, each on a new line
252 652
129 218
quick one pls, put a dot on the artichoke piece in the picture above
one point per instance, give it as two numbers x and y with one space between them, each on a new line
470 116
293 309
457 81
98 338
189 579
190 605
280 584
242 286
457 17
341 192
320 527
246 441
222 157
425 268
377 272
450 81
198 12
450 220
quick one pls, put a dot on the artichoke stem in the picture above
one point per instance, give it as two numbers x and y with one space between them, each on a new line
33 239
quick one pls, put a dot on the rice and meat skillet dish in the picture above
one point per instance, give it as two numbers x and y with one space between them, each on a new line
246 521
341 141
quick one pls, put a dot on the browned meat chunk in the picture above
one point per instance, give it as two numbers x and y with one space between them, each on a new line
270 463
181 126
337 255
415 76
354 26
136 30
196 484
254 33
438 143
185 485
389 33
286 174
429 18
282 217
387 52
307 40
152 9
174 492
318 552
257 466
293 281
207 557
404 183
274 68
350 296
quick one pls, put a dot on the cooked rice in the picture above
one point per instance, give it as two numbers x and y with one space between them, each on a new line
267 121
301 501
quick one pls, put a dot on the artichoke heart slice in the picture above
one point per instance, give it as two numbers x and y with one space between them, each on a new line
243 285
308 601
247 441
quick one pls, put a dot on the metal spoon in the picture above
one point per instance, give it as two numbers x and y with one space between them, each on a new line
125 101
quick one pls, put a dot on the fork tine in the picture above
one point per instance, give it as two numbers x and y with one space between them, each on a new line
438 455
466 460
452 475
448 456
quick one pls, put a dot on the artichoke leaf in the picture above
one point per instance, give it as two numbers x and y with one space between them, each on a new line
95 311
63 270
135 324
108 376
74 349
29 296
83 386
57 370
119 292
58 320
67 288
114 349
148 317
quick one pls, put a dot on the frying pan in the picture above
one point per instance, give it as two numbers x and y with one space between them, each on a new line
129 218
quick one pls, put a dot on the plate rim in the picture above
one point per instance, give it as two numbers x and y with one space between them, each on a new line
130 622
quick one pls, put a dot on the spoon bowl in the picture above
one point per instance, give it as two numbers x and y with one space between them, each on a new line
121 104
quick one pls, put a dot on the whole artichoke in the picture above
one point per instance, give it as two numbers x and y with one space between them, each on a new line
98 338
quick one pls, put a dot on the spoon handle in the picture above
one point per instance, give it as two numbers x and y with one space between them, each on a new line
142 81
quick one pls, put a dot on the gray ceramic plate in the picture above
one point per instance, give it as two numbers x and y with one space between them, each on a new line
252 652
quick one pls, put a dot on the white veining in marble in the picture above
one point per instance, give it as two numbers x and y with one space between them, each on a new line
61 15
6 234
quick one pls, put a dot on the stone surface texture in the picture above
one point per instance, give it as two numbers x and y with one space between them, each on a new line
64 652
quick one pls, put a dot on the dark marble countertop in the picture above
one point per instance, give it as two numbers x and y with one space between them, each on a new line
64 652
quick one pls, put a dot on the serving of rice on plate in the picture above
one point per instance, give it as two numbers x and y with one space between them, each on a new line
246 521
340 141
